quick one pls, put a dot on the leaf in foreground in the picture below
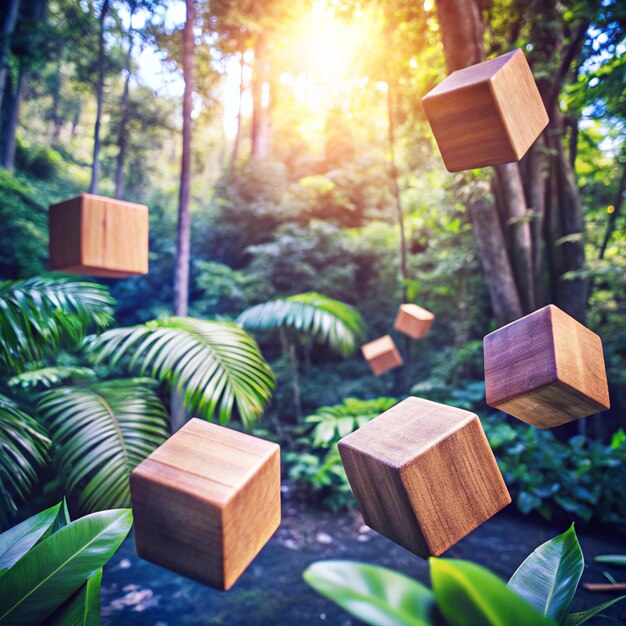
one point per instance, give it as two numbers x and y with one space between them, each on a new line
548 578
375 595
57 567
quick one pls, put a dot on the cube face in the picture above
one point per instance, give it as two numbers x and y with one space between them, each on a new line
99 236
486 114
423 475
546 369
206 502
413 320
382 355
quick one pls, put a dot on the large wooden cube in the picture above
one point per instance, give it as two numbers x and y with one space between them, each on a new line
99 236
413 320
423 475
382 355
486 114
206 502
546 369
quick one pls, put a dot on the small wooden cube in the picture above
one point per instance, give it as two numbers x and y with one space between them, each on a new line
423 475
546 369
486 114
206 502
98 236
413 320
381 354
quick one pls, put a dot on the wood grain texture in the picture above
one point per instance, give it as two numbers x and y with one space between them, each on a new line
546 369
486 114
206 502
423 475
382 355
413 320
98 236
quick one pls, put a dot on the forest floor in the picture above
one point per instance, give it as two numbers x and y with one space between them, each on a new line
272 591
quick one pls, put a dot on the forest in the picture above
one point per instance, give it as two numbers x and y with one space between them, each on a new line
297 197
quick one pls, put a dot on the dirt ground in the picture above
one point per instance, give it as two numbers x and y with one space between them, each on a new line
272 592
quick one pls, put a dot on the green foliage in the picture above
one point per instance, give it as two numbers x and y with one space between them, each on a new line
51 376
324 319
314 461
464 594
101 433
612 559
40 315
548 578
59 576
216 365
38 161
581 477
24 445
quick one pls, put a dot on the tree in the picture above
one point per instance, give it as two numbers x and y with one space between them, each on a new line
95 166
9 18
181 276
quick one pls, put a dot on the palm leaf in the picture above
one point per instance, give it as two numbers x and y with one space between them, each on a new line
216 365
50 376
39 315
101 433
23 451
324 319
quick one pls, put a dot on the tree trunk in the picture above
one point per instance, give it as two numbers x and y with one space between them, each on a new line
261 121
122 140
289 350
10 118
461 28
55 118
95 167
181 278
11 11
235 153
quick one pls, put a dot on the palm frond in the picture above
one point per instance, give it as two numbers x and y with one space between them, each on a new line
39 315
100 434
325 319
23 451
216 365
50 376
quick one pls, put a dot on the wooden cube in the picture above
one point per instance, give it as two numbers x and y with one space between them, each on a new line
99 236
413 320
206 502
546 369
382 355
423 475
486 114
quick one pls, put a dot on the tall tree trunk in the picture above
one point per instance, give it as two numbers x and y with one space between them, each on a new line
290 351
261 121
10 118
236 142
461 28
122 139
95 167
11 11
183 242
181 278
55 119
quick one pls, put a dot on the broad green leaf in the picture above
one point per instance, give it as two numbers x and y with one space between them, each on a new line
375 595
573 619
57 567
612 559
82 608
469 595
548 578
17 541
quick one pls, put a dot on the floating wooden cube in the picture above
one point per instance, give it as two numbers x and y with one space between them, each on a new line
413 320
381 354
206 502
546 369
423 475
486 114
99 236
